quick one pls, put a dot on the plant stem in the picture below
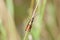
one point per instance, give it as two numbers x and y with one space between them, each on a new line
26 34
10 6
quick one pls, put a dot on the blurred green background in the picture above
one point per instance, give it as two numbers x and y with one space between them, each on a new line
15 15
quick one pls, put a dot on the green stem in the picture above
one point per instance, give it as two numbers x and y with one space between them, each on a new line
26 34
10 6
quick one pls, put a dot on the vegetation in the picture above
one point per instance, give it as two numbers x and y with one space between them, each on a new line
17 23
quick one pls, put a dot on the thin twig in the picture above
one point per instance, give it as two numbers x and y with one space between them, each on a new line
25 35
31 21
